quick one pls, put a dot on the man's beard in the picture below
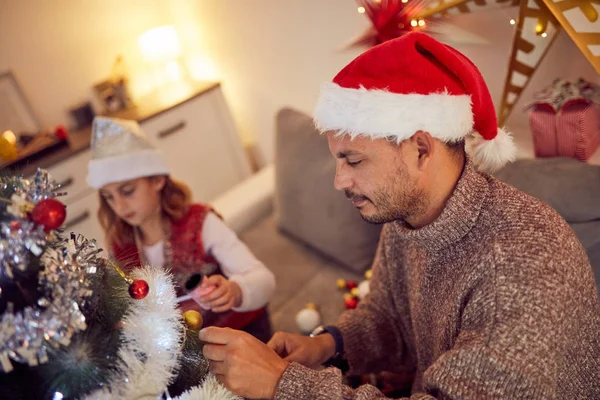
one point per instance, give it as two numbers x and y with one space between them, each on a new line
393 204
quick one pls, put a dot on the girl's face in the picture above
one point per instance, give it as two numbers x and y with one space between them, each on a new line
134 201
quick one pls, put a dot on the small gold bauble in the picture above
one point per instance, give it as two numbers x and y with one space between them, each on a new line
193 319
312 306
368 274
354 292
348 296
341 283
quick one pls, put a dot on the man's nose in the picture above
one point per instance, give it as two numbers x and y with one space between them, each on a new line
342 179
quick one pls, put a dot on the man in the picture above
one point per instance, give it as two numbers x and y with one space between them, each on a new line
478 289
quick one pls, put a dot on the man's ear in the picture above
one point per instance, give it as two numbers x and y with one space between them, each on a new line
424 144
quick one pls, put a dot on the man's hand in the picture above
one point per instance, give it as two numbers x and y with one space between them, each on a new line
242 363
308 351
218 294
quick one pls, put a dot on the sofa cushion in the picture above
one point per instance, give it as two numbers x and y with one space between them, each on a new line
307 206
571 187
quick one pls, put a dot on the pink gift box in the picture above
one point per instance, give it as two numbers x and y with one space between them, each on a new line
573 131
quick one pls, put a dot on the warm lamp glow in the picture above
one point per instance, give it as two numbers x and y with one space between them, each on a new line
202 68
160 44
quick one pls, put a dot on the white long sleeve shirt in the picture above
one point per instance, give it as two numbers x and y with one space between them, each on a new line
237 262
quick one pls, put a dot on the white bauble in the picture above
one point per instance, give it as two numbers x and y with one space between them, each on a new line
363 289
308 319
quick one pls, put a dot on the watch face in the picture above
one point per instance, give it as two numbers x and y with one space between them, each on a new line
318 330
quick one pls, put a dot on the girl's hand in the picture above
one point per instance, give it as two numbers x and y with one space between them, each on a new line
220 295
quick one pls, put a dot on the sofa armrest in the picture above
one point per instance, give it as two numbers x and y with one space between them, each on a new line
248 201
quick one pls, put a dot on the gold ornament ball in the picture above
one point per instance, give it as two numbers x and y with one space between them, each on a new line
341 283
354 292
8 148
368 274
348 296
193 319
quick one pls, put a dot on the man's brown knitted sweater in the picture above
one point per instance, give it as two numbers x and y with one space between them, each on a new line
493 300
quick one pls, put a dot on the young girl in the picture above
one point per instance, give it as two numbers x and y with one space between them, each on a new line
148 218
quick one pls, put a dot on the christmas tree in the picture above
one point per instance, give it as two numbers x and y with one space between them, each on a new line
74 325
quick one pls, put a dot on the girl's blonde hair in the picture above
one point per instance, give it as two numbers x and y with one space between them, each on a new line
175 199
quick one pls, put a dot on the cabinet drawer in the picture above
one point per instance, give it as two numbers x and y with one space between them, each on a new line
200 145
71 174
82 218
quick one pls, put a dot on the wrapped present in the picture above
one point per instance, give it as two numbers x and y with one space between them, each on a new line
565 120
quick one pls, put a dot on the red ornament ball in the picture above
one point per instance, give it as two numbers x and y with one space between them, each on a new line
351 285
61 132
139 289
15 226
351 303
49 213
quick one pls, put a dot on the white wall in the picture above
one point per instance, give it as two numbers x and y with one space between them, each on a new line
269 53
59 49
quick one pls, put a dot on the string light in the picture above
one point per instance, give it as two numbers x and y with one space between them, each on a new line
414 23
421 22
405 1
539 28
361 10
544 34
512 21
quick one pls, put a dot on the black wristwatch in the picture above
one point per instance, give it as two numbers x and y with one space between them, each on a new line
337 359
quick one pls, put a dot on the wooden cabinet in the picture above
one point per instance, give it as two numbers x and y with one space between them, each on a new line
195 132
200 144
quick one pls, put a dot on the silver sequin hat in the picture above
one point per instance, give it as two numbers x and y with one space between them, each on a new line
121 151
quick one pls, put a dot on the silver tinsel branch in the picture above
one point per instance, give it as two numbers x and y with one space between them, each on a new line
63 280
20 237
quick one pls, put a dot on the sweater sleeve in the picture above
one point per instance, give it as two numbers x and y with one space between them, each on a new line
509 347
372 340
506 348
238 263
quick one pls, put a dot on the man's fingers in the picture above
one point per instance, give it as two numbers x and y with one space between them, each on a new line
217 368
215 335
214 352
277 344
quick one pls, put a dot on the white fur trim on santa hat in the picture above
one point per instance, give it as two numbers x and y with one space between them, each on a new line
382 114
124 167
491 155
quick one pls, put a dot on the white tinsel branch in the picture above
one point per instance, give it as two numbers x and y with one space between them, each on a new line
210 389
152 328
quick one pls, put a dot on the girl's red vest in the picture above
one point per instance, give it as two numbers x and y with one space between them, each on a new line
187 257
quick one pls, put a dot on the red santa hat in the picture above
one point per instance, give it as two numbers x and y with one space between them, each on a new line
415 83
